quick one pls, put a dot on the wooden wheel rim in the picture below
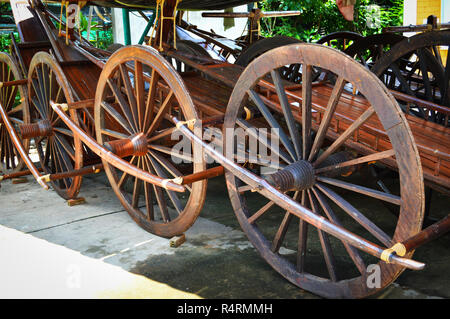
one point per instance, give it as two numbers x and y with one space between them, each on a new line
71 186
6 93
150 57
411 184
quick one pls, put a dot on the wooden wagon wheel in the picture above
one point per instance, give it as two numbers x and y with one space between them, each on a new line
311 166
137 92
368 50
340 40
58 149
415 67
15 103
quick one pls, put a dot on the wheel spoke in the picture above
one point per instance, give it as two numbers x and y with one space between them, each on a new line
362 190
260 212
331 107
18 108
136 188
125 175
325 243
356 215
114 134
159 196
159 116
287 111
168 166
365 159
345 135
281 232
140 91
162 134
38 107
306 108
111 111
63 131
253 132
62 141
123 105
148 196
302 239
272 122
130 93
172 195
352 251
150 105
170 152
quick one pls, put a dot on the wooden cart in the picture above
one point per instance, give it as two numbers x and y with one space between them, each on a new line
319 115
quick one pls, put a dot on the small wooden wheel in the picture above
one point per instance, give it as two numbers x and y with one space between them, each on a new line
15 103
414 66
340 40
58 149
137 93
323 132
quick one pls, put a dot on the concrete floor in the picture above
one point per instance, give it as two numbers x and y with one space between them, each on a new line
217 261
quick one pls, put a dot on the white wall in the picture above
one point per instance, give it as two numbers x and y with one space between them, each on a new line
138 24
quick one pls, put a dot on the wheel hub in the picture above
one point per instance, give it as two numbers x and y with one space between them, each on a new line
135 145
297 176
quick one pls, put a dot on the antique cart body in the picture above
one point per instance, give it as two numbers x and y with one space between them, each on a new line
320 115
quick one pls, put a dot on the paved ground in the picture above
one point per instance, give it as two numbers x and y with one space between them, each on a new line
217 261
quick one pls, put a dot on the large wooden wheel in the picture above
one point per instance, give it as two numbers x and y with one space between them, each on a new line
137 93
58 149
317 151
414 66
15 103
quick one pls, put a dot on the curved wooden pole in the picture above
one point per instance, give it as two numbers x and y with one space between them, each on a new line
21 150
113 159
285 202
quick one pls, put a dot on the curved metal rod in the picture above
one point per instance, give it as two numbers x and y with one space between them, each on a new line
287 203
113 159
21 150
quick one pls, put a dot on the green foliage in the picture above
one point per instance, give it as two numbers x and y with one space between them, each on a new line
322 17
5 41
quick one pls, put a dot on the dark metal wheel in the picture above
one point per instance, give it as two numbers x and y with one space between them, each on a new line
259 47
340 40
415 67
58 149
368 50
324 133
15 103
137 93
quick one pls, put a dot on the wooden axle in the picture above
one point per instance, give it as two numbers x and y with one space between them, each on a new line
77 172
430 233
89 103
17 174
13 83
206 174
